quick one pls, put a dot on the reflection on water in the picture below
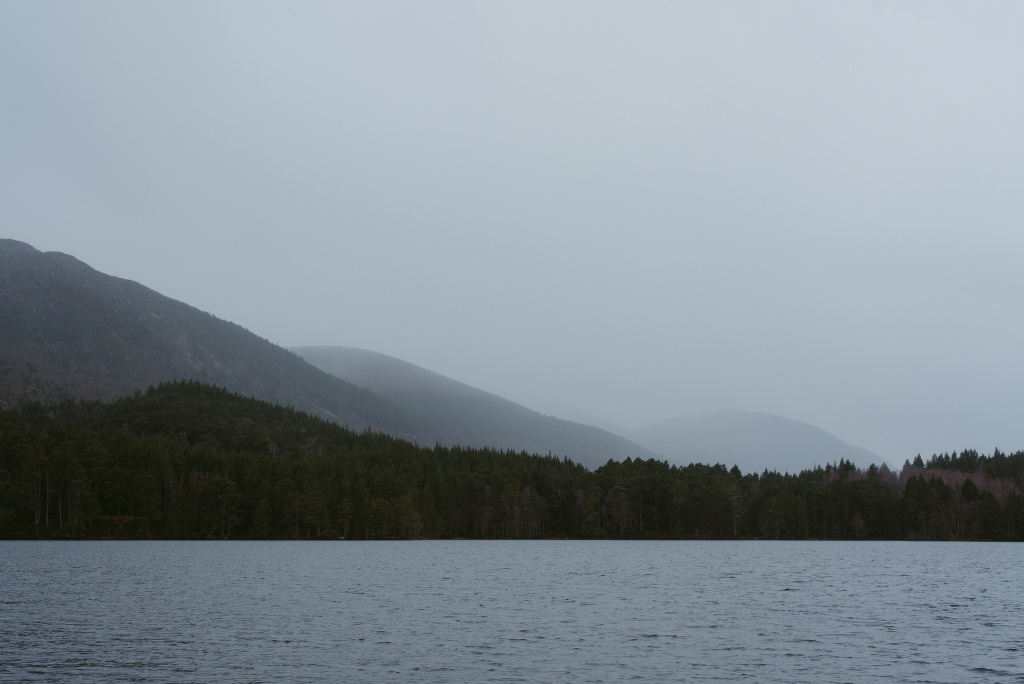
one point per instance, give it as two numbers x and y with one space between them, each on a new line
545 611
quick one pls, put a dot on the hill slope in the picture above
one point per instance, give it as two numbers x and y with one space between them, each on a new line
67 330
753 441
460 414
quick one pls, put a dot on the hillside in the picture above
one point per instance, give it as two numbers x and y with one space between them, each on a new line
464 415
67 330
753 441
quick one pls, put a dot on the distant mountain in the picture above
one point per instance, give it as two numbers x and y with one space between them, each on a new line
67 330
753 441
460 414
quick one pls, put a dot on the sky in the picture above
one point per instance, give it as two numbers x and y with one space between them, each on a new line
640 210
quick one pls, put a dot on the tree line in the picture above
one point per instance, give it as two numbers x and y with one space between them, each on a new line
191 461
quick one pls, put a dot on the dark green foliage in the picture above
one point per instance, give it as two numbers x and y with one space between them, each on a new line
187 460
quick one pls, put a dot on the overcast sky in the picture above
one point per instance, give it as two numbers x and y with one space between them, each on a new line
812 209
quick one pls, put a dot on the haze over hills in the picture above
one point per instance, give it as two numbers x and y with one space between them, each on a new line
753 441
464 415
69 331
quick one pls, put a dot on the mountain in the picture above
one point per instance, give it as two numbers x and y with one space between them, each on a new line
67 330
460 414
753 441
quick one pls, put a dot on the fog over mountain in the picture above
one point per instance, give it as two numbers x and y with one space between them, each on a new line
752 441
803 209
463 415
68 331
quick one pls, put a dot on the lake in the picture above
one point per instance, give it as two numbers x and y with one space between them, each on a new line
508 611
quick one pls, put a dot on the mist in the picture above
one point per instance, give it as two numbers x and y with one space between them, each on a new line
637 211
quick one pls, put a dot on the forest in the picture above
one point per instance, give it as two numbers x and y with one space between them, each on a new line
191 461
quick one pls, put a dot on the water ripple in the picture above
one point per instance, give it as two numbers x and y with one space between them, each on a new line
553 611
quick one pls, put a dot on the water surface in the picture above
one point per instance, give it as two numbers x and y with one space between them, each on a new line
542 611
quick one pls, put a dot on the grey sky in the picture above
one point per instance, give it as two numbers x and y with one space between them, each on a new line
811 209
